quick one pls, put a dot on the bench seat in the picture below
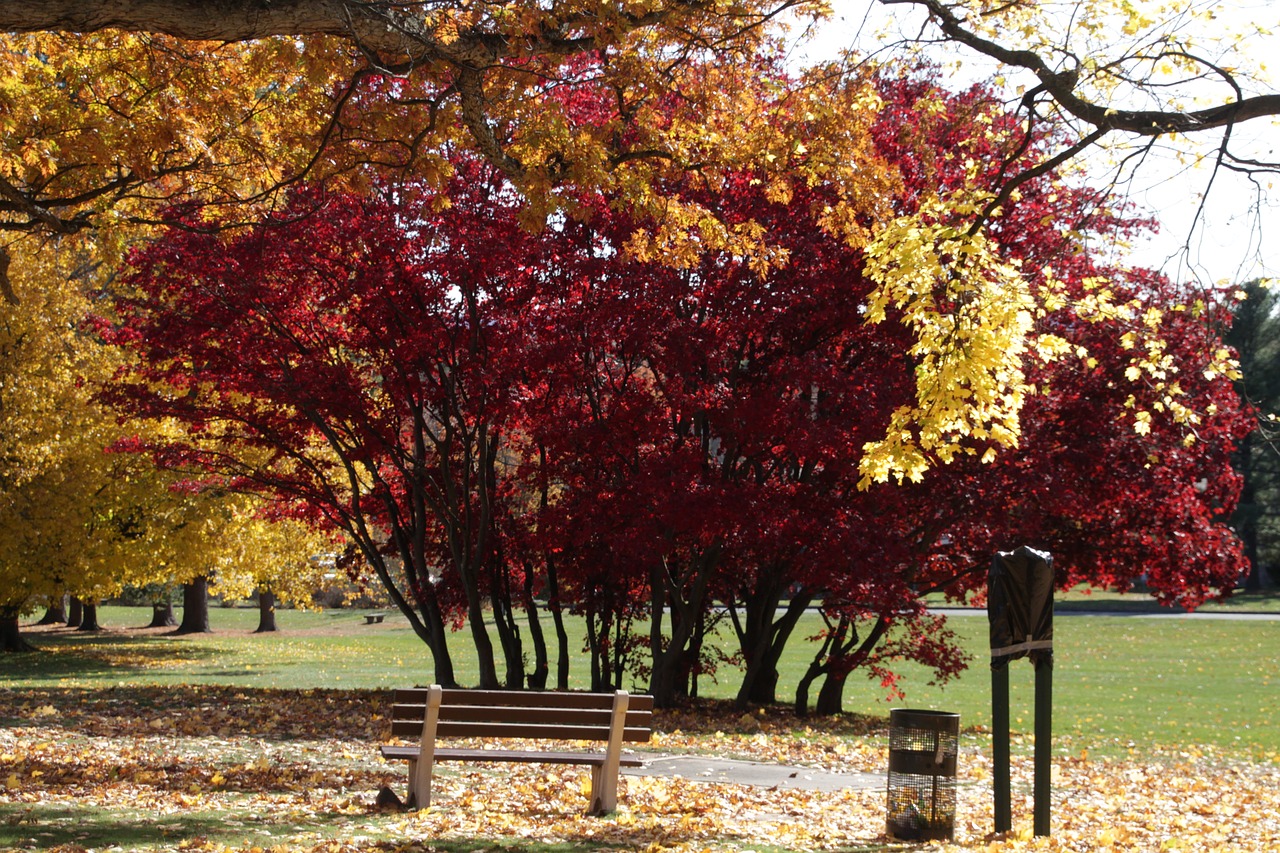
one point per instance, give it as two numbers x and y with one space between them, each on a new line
511 755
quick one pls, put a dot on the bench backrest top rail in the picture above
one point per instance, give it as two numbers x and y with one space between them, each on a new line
512 714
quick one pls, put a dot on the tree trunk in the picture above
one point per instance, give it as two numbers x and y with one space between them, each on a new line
682 590
506 624
816 667
195 607
438 641
598 643
541 672
11 639
831 694
423 612
162 615
763 637
842 652
89 622
553 582
75 613
56 613
562 634
486 666
266 611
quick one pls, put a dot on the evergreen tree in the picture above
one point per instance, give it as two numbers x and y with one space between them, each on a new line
1255 335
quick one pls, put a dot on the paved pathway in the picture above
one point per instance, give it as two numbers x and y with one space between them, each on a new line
704 768
1129 614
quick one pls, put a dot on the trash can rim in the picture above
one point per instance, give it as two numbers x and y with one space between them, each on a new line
924 712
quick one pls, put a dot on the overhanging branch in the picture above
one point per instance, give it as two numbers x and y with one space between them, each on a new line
1061 86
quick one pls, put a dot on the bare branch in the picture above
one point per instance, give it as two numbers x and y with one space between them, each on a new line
1061 86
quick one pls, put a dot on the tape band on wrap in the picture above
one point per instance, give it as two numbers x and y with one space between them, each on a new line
1028 646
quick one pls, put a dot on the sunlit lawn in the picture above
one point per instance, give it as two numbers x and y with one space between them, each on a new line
143 740
1120 681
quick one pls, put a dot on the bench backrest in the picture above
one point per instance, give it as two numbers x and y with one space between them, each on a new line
522 714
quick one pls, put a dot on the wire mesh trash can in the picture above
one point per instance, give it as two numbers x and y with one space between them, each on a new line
922 775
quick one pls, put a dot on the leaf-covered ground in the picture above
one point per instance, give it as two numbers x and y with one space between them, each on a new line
213 769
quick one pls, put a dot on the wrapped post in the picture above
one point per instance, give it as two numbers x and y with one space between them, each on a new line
1020 610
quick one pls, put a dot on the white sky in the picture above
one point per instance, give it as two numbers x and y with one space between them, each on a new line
1237 235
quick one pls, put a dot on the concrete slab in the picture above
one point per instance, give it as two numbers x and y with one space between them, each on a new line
702 768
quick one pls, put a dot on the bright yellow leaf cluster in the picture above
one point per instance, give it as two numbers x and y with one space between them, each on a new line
971 313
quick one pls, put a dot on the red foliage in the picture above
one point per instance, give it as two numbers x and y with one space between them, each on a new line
523 412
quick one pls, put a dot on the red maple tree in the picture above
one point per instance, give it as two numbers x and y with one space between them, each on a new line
494 414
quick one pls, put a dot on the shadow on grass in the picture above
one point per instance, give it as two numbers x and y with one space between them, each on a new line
39 827
67 653
43 827
198 711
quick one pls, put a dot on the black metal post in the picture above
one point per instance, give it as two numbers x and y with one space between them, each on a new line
1044 741
1000 747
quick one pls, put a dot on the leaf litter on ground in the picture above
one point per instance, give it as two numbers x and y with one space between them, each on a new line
299 770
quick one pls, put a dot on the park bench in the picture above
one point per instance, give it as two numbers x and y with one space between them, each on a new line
370 618
434 713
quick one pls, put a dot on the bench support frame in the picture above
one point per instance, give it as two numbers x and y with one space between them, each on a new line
604 765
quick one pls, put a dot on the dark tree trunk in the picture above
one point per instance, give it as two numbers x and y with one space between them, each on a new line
684 592
831 694
438 641
75 613
505 623
834 646
618 650
553 582
195 607
89 620
486 665
162 615
763 637
266 612
598 643
11 639
56 613
816 668
424 613
562 634
842 652
541 672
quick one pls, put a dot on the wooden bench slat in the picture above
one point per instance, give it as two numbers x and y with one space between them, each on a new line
411 708
547 731
601 717
511 755
526 698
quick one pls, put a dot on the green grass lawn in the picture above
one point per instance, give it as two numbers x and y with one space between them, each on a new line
1127 682
1121 682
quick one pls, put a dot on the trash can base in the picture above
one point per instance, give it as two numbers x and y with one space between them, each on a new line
911 834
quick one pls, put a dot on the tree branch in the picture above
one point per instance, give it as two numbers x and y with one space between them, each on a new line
1061 86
